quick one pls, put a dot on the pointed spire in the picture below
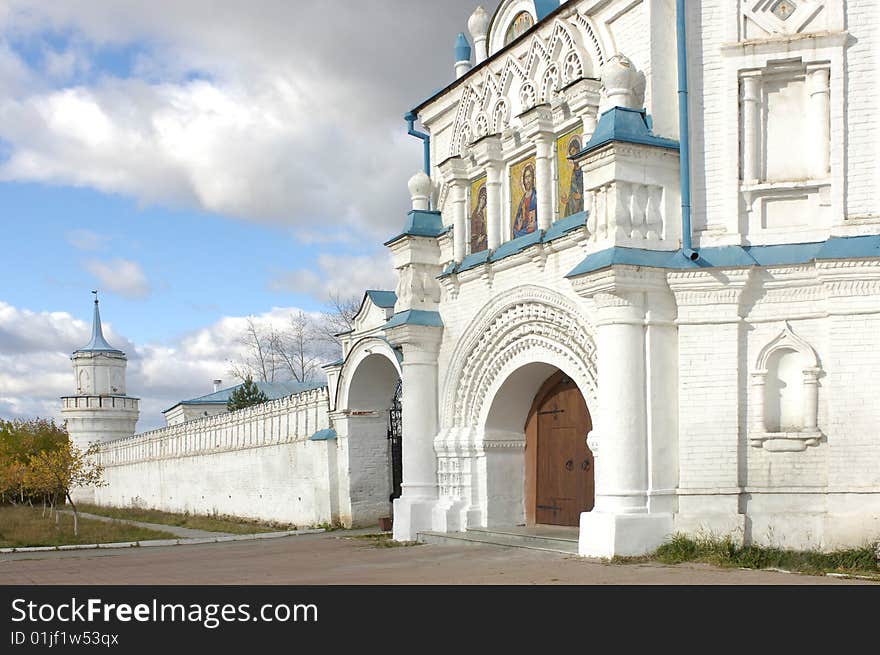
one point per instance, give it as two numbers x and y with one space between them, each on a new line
97 343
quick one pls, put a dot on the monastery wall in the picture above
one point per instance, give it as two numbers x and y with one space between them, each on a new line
257 463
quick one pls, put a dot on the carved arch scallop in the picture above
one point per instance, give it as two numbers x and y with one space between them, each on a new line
526 324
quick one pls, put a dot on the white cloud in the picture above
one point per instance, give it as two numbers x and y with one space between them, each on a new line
35 367
121 276
292 118
87 240
339 274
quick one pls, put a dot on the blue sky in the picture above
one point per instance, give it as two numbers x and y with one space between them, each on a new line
199 164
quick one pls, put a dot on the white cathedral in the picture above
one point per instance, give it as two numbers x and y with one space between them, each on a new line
639 295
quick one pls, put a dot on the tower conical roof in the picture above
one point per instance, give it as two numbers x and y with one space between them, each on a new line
98 343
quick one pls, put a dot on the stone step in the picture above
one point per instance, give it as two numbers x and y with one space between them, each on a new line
509 539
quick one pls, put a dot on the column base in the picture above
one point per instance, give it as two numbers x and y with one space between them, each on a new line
626 535
411 516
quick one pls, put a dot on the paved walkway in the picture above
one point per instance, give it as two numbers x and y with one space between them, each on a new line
339 558
177 531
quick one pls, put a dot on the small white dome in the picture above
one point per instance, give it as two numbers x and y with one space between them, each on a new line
620 79
478 23
419 185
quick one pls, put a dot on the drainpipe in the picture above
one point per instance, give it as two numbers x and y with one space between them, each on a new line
411 118
684 135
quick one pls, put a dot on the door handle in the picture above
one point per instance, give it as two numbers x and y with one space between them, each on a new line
585 465
569 465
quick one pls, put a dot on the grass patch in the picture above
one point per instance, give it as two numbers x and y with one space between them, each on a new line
217 523
385 540
726 553
26 526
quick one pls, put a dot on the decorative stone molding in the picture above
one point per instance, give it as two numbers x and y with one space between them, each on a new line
786 440
533 77
524 319
786 17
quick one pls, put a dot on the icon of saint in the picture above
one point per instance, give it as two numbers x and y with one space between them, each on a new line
574 200
526 219
479 242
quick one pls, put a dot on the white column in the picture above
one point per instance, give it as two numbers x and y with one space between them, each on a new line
493 204
622 479
488 154
756 404
544 179
820 121
412 511
459 218
811 399
538 126
622 521
751 126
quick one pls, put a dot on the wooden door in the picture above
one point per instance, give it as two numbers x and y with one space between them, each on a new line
562 463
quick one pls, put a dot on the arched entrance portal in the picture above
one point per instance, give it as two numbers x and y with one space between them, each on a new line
560 482
539 469
369 385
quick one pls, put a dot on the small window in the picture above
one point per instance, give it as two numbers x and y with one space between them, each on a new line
521 24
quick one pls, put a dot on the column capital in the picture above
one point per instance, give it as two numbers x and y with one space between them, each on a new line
488 151
454 170
538 122
417 341
583 97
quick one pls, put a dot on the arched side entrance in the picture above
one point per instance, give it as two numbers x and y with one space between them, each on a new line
560 471
368 382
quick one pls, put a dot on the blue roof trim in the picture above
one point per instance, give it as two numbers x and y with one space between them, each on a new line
421 223
383 299
415 317
565 225
544 8
98 344
516 245
338 362
324 435
626 125
558 230
864 247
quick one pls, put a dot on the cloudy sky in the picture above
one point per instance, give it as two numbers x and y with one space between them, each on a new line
198 162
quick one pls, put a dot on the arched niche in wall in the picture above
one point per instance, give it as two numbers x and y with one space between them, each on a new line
785 395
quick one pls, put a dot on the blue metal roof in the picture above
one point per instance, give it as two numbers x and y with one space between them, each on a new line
415 317
421 223
273 391
383 299
98 343
462 48
544 8
863 247
627 125
559 229
324 435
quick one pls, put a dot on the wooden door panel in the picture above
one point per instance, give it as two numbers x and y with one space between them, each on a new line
564 484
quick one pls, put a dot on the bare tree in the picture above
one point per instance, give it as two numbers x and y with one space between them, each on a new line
338 318
295 348
260 360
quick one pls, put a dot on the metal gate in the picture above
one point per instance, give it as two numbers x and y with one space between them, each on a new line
395 438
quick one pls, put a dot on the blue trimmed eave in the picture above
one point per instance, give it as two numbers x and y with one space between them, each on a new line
383 299
338 362
625 125
421 223
415 317
556 231
324 435
863 247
